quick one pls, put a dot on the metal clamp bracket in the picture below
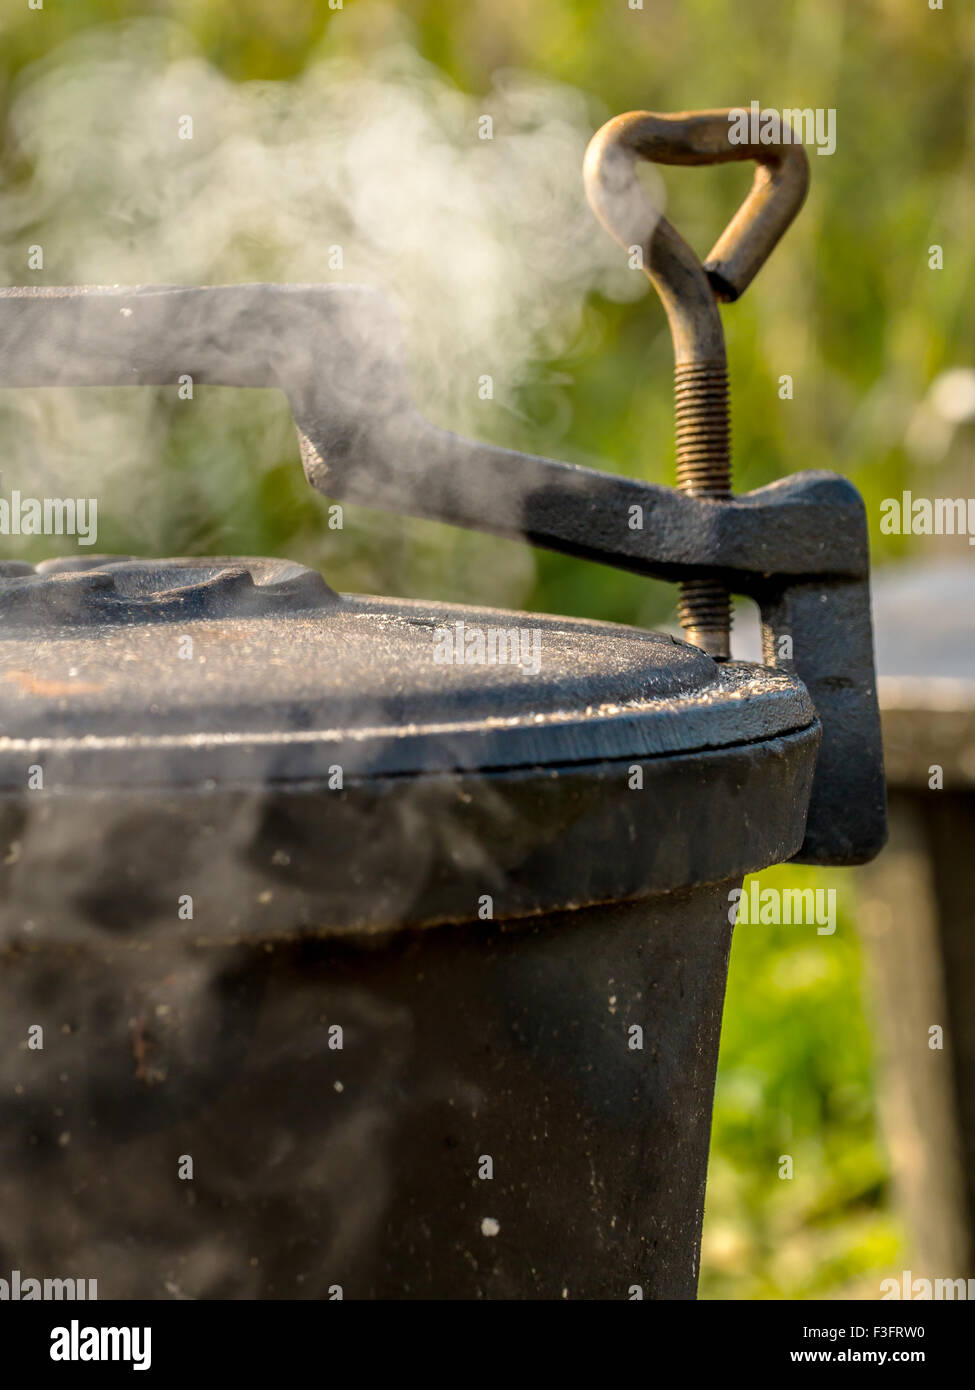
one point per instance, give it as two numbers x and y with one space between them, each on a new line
798 547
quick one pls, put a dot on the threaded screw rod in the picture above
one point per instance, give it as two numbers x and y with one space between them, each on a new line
703 430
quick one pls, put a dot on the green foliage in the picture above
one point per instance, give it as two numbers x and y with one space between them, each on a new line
795 1080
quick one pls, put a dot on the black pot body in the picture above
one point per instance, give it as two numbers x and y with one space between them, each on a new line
486 1110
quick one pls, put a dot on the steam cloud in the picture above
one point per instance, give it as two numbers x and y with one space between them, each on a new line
486 245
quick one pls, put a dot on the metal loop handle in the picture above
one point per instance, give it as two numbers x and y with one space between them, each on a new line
690 291
689 138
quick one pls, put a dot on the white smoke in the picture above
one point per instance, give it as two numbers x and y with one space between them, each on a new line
487 245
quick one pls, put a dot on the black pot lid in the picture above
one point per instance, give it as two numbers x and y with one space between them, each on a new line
182 672
235 734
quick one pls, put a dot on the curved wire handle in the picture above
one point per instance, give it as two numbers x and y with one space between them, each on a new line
690 291
688 288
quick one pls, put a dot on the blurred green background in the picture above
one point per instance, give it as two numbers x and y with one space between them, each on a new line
848 306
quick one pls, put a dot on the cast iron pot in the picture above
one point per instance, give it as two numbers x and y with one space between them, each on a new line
341 955
416 968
